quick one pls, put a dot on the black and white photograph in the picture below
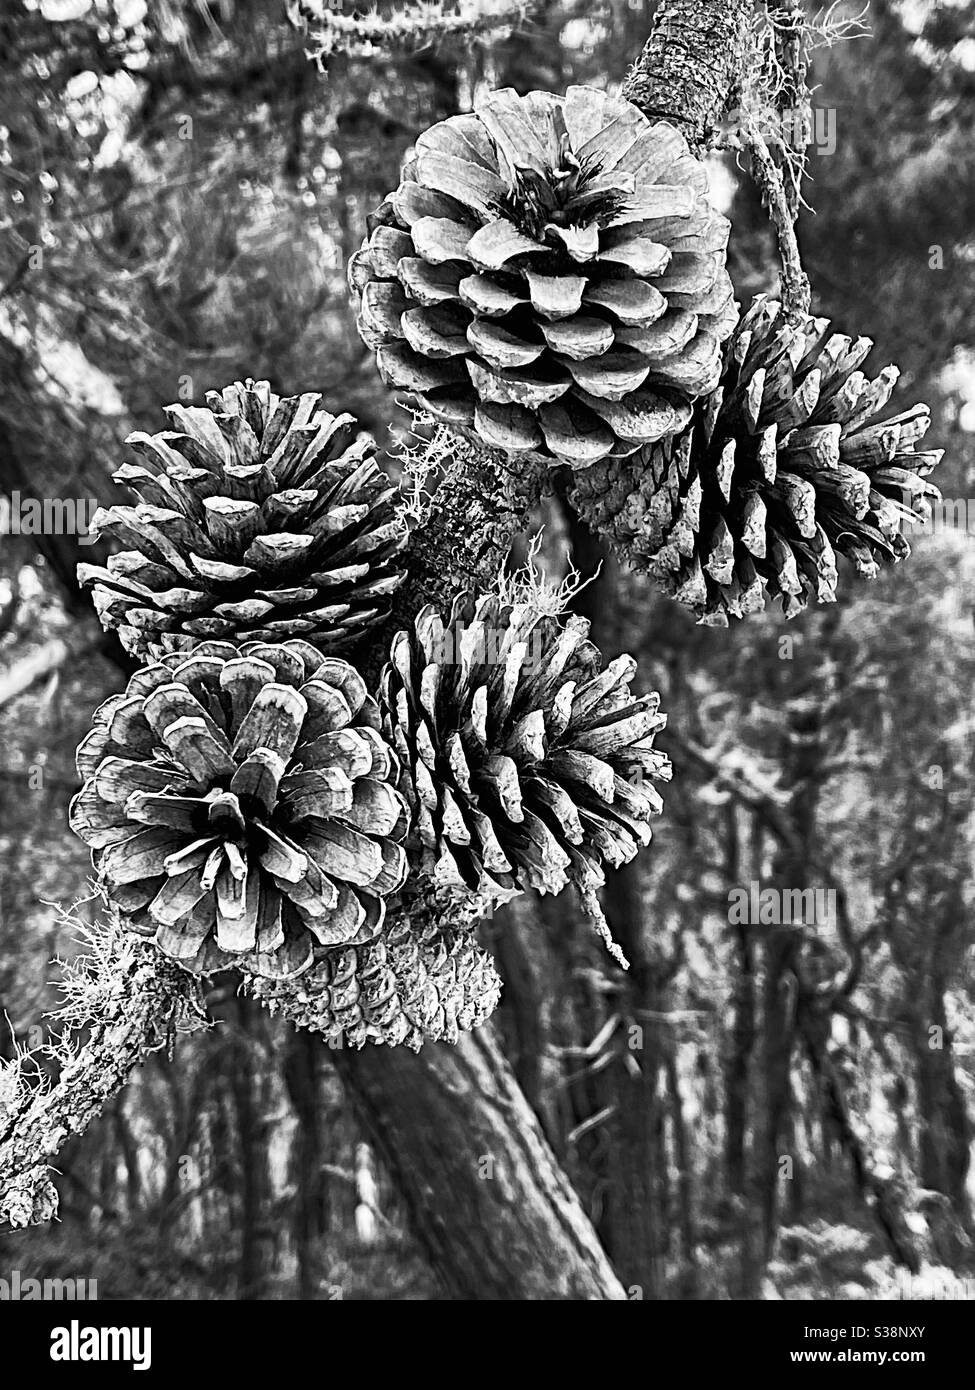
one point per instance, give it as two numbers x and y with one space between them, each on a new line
487 668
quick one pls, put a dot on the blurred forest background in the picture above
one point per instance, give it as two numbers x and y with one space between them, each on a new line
751 1112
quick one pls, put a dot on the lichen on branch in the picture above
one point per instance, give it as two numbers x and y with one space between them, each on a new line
365 34
129 1001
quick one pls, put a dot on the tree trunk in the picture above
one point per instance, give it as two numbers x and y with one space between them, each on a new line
779 1043
253 1267
684 1162
945 1129
493 1211
629 1155
311 1211
742 1034
801 758
531 986
633 1160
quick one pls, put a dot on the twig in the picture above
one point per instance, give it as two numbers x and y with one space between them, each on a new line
796 292
364 35
788 25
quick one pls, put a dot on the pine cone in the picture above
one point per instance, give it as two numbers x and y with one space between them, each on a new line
525 764
240 807
258 519
421 981
784 466
549 276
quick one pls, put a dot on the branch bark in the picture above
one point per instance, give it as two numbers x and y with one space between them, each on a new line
690 69
140 998
796 292
482 503
493 1210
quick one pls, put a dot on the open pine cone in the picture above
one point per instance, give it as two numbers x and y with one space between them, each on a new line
524 762
258 518
240 806
549 276
786 465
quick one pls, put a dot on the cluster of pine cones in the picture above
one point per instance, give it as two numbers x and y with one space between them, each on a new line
250 804
549 280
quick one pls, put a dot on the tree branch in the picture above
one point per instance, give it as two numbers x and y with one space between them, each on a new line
690 70
493 1210
877 1187
134 1000
795 292
463 538
363 35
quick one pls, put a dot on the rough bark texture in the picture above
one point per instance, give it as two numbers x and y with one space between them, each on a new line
690 68
481 504
136 1017
494 1211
